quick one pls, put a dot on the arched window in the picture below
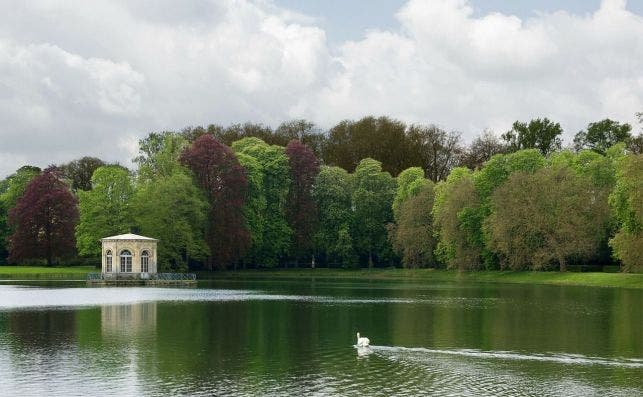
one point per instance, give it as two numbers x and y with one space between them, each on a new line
126 261
145 262
108 261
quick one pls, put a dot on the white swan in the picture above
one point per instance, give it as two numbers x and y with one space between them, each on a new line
362 342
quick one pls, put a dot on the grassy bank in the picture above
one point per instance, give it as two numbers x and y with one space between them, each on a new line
620 280
45 273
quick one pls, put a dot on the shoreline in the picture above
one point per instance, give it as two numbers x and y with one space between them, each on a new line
588 279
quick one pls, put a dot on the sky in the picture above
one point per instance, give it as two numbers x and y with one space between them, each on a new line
84 78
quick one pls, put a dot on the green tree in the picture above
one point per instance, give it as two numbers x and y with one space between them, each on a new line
174 210
104 210
488 178
159 155
541 134
275 168
255 207
412 234
457 218
627 205
602 135
79 172
332 192
410 182
372 201
550 216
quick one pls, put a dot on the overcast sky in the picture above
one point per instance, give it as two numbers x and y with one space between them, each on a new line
92 77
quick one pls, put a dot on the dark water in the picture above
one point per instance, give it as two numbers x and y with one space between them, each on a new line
296 338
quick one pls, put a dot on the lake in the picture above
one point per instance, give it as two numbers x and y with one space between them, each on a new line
286 338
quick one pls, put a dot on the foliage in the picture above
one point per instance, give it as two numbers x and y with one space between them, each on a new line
412 234
626 202
255 209
602 135
380 138
301 210
409 183
332 192
43 220
277 233
546 216
105 209
11 189
481 150
218 172
457 219
79 172
159 155
541 134
177 216
372 201
434 149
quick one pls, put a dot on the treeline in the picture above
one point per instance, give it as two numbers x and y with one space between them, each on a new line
372 192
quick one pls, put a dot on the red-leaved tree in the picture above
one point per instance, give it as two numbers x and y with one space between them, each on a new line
43 220
220 175
301 209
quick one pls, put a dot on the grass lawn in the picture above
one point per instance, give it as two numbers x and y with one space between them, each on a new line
45 273
622 280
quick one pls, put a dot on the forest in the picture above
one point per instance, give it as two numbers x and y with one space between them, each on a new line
373 192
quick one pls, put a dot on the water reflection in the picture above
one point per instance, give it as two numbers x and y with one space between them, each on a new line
128 320
363 351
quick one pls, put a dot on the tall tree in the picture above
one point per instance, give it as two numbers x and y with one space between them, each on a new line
43 220
105 210
412 234
301 209
11 189
174 210
458 219
541 134
255 208
409 183
159 155
627 205
434 149
481 150
549 216
602 135
332 192
219 174
303 131
277 233
382 138
372 202
79 172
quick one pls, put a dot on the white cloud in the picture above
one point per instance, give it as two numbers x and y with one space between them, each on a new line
469 73
80 78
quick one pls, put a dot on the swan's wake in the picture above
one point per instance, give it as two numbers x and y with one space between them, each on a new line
561 358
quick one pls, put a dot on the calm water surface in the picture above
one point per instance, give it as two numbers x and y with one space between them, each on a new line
297 338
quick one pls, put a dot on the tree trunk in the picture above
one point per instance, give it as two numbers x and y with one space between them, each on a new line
312 262
563 264
370 259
